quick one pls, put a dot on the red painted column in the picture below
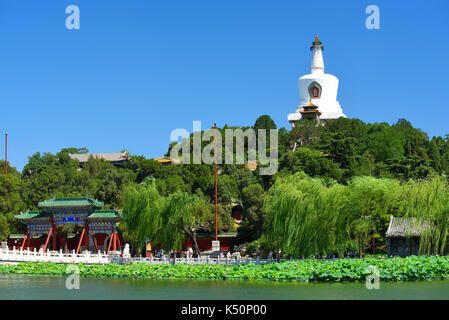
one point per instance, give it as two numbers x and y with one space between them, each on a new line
81 241
48 238
24 240
115 242
53 243
86 240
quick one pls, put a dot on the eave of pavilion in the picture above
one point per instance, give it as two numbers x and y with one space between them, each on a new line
33 215
111 214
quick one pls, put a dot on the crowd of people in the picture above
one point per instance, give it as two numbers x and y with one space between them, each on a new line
227 254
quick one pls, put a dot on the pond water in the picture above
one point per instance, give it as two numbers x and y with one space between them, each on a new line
53 287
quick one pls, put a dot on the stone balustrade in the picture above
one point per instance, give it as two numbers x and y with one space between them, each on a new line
203 260
7 255
27 255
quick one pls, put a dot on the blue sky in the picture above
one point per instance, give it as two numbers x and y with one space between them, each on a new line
136 70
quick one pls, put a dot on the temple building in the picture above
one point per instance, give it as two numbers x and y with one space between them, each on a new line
404 235
166 160
317 88
117 159
310 112
97 228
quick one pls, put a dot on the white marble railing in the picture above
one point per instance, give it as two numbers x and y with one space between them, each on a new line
53 256
86 257
204 260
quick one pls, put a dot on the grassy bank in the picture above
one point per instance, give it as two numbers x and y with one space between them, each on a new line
410 268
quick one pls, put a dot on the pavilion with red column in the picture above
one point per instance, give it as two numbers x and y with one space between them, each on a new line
97 224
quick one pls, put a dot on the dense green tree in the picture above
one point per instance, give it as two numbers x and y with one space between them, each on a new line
142 212
312 162
183 215
11 203
307 215
264 122
299 219
168 221
111 185
428 200
253 199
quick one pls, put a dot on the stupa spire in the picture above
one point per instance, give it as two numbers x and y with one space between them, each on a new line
317 58
319 87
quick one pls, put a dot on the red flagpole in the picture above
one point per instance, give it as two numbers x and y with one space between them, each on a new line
6 166
6 153
216 197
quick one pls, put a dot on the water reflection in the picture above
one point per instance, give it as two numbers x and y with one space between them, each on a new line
53 287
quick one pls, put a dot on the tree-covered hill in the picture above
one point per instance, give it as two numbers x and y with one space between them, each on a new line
335 153
344 148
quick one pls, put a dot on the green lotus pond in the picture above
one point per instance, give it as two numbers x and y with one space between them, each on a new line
396 269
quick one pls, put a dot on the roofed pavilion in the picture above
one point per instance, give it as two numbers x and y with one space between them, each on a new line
310 112
84 212
117 159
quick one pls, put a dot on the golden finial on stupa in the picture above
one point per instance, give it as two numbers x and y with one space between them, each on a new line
316 43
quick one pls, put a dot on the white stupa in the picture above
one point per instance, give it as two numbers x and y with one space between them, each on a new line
319 88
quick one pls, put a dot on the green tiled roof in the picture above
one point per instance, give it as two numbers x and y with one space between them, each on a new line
105 214
71 202
32 215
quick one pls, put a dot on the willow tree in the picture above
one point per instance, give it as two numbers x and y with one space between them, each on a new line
307 215
183 215
428 201
142 212
369 205
167 221
301 215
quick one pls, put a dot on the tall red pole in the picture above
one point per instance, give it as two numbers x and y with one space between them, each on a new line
216 193
6 167
6 153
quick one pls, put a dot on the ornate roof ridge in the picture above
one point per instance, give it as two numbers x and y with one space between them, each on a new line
55 201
